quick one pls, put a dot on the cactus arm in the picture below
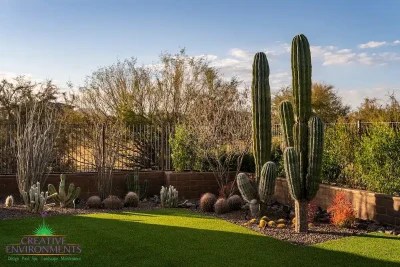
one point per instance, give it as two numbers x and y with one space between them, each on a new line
287 121
74 195
292 169
61 189
52 190
245 187
266 187
316 142
261 111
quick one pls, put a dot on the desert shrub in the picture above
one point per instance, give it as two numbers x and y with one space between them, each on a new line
235 202
207 202
221 206
377 160
131 199
9 201
312 211
183 144
342 212
112 202
341 142
94 202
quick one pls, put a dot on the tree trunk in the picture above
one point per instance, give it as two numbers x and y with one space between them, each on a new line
301 212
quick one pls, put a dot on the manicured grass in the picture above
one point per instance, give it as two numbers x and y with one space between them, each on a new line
182 238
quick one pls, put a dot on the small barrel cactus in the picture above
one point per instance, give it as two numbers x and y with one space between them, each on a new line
9 201
131 199
112 203
169 197
235 202
221 206
207 202
94 202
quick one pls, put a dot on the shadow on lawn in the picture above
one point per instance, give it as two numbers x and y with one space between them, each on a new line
109 242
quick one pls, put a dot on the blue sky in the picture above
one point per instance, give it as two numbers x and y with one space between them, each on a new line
355 44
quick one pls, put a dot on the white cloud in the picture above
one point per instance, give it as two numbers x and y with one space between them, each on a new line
239 53
372 44
396 42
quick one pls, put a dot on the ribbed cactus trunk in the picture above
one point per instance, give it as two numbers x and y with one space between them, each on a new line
303 135
259 192
261 99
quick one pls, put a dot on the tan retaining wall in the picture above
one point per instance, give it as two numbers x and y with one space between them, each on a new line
367 205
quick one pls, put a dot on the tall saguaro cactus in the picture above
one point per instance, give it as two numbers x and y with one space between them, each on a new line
303 135
263 187
261 111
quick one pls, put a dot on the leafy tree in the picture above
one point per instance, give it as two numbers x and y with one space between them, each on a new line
325 102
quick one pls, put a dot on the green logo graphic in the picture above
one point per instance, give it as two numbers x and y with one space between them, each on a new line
44 229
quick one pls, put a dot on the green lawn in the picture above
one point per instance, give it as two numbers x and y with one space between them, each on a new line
182 238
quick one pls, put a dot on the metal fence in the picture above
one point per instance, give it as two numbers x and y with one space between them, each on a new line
140 146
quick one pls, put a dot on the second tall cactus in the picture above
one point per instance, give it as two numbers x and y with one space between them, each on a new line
303 135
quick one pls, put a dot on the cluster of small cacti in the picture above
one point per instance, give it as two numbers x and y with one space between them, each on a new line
207 202
34 200
133 185
221 206
131 199
235 202
61 197
9 201
303 135
169 197
94 202
263 187
112 202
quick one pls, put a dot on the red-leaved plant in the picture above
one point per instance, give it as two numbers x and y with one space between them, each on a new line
342 211
227 190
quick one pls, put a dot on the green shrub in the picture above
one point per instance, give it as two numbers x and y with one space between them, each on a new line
377 160
341 142
183 145
277 157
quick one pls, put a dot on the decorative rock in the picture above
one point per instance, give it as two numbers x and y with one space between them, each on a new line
389 231
381 230
246 206
144 200
281 221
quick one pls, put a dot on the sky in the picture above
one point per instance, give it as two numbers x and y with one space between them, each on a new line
355 45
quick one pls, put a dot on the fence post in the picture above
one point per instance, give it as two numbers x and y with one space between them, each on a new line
162 146
359 128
